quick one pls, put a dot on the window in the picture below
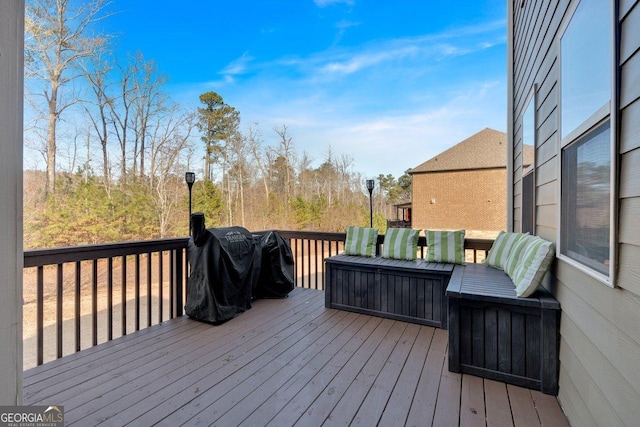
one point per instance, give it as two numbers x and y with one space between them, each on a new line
586 66
586 184
528 178
587 144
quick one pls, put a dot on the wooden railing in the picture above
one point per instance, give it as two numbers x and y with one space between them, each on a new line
78 297
69 293
311 248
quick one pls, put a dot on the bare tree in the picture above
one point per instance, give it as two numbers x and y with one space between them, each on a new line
58 36
238 150
121 110
96 71
255 146
168 141
286 151
147 102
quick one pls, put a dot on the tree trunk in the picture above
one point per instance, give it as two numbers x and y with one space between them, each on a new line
51 145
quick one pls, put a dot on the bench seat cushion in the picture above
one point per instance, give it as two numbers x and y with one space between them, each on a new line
501 248
400 243
535 262
361 241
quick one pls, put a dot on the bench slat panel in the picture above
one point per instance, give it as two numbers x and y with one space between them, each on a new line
413 291
496 335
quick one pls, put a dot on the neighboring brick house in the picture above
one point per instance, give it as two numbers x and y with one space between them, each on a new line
464 187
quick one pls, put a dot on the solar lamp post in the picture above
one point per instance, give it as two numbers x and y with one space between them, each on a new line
190 178
370 185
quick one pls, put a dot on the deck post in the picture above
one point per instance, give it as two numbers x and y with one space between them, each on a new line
11 116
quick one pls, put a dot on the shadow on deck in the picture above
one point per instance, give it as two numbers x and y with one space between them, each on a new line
284 362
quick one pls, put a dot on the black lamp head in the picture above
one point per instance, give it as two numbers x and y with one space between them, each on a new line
190 178
370 184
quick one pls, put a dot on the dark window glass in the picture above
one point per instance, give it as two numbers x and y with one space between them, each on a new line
586 190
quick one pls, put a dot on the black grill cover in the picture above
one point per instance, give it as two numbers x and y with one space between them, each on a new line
276 270
225 267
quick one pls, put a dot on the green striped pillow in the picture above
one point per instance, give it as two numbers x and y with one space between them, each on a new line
514 256
361 241
445 246
400 243
501 248
534 264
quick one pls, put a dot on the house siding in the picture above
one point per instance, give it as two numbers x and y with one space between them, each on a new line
466 199
600 333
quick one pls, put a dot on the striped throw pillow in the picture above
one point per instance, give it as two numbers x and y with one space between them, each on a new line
501 248
400 243
445 246
361 241
514 256
535 262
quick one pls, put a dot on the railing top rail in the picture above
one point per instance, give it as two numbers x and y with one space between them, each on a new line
312 235
469 243
52 256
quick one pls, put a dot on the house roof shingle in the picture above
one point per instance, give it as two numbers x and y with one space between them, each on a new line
483 150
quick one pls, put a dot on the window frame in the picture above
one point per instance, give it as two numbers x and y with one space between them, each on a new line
609 111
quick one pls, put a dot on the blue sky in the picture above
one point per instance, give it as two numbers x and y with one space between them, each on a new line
387 83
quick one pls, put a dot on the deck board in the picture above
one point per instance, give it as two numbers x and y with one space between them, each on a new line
472 407
284 362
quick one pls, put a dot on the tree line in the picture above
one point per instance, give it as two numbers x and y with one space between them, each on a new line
116 148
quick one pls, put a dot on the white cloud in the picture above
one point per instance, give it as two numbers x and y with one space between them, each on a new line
368 59
386 142
390 105
325 3
238 66
344 61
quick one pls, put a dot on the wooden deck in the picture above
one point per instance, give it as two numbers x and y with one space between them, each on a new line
284 362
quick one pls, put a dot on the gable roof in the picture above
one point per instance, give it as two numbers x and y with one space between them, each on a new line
486 149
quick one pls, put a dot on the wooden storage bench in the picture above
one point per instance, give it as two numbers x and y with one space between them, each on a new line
413 291
494 334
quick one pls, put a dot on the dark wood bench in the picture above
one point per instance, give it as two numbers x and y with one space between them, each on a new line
413 291
494 334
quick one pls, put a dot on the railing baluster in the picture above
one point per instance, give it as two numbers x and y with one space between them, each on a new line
149 289
309 263
109 298
302 261
94 303
185 279
40 314
123 299
315 258
59 299
171 283
178 260
137 291
160 285
295 258
322 260
77 304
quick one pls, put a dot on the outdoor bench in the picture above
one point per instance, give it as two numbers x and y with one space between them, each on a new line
496 335
412 291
